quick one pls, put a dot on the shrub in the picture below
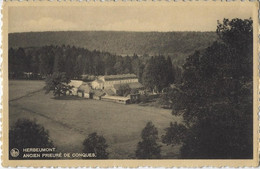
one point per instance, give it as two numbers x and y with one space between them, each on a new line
26 133
96 144
148 147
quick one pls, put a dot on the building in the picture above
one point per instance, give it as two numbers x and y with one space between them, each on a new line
97 84
98 94
107 88
75 85
113 82
85 91
116 99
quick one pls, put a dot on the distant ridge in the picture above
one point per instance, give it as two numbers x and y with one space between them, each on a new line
177 44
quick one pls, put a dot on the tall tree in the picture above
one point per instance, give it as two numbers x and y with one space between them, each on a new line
127 65
216 98
148 74
110 61
96 144
155 75
78 67
46 60
148 148
118 67
26 133
57 83
170 71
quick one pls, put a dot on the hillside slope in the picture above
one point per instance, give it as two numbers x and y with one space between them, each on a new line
176 44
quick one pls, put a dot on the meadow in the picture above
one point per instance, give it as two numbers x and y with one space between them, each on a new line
70 121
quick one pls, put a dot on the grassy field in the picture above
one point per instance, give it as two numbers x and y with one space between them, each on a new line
23 88
70 121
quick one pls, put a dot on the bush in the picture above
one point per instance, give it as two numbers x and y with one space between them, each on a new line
58 83
144 98
96 144
26 133
148 147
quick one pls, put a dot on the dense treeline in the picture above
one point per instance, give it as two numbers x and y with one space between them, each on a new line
176 44
156 72
216 97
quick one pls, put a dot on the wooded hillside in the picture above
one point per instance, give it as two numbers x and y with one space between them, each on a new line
178 45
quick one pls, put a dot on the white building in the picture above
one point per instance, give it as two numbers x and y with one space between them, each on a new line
75 85
108 81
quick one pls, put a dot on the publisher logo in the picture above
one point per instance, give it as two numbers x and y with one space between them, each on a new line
14 152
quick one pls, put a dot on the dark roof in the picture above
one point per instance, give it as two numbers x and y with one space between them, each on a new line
109 92
134 85
99 92
120 77
117 86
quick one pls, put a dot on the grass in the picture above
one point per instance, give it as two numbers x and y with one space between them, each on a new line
69 121
21 88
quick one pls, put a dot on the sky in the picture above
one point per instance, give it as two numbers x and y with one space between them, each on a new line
121 18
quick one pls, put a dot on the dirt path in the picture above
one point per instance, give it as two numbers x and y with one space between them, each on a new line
27 95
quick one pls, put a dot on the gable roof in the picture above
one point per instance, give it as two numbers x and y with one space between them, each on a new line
76 83
109 92
99 92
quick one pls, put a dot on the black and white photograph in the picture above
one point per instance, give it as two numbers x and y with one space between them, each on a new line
131 82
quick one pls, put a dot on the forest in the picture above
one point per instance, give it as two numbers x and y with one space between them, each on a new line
216 97
75 62
177 45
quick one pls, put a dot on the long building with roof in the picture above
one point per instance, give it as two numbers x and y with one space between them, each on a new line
114 81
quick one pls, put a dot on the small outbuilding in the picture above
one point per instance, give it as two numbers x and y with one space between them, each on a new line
85 91
98 94
75 85
116 99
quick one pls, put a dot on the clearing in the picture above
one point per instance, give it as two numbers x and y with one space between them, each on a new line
70 121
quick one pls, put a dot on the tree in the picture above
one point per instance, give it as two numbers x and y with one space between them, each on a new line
58 83
215 98
47 58
124 90
237 34
118 67
148 74
174 134
11 63
26 133
110 61
148 148
78 67
177 74
127 64
155 75
170 71
96 144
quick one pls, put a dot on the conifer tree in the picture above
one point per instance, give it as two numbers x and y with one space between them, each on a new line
148 148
